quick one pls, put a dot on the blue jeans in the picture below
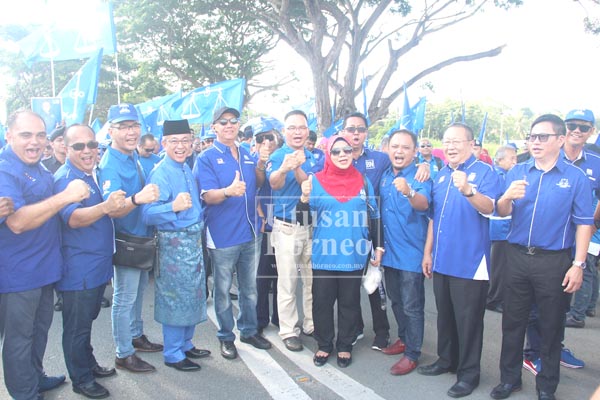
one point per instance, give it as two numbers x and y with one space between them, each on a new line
177 340
587 295
407 293
80 309
242 259
128 298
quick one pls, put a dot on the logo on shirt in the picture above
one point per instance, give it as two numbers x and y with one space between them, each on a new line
442 179
220 161
106 186
472 176
563 183
370 164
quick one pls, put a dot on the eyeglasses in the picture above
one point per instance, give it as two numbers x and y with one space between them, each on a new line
132 127
92 144
425 145
447 143
337 151
224 121
352 129
261 138
296 128
582 128
177 142
149 150
542 137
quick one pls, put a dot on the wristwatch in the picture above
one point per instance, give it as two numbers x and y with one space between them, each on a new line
411 194
473 192
580 264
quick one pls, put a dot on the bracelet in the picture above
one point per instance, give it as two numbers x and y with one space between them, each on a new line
133 200
380 249
225 193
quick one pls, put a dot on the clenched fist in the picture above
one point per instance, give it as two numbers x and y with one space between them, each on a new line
77 190
183 201
115 201
6 207
148 194
402 186
459 178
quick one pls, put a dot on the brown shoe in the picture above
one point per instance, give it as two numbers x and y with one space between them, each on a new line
397 348
134 364
144 345
403 367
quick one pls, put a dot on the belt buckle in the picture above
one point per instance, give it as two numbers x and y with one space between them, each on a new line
530 251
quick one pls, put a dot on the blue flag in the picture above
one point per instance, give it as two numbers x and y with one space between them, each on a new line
483 126
2 135
154 112
199 104
80 91
309 109
413 118
96 125
334 128
406 119
50 109
363 84
90 27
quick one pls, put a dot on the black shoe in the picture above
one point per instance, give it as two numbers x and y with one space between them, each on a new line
144 345
50 382
257 341
185 365
572 322
461 389
591 313
432 370
504 390
197 353
545 395
343 362
320 360
102 372
134 364
58 305
92 390
228 350
104 303
293 343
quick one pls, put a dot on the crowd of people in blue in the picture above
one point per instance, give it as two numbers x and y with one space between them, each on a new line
272 211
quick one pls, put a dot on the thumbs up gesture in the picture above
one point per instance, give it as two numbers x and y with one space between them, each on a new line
307 188
237 187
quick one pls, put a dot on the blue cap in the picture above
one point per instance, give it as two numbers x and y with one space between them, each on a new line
209 135
122 112
582 115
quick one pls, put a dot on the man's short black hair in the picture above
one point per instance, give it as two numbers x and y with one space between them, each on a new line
404 132
312 136
357 115
146 138
295 112
466 127
557 123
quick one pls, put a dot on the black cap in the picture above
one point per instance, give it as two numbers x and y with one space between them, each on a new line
176 127
57 132
223 110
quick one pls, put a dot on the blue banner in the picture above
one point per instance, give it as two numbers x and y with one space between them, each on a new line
81 90
154 112
199 104
482 132
309 109
49 108
88 28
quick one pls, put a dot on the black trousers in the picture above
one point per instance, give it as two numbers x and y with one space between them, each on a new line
461 307
534 279
80 309
329 287
266 278
497 273
25 318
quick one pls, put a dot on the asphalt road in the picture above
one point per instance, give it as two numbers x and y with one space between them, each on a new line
281 374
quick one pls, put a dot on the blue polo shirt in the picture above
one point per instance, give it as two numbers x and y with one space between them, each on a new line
589 163
148 163
319 156
286 198
404 228
555 202
118 171
88 250
461 235
499 226
372 163
265 200
31 259
233 221
172 178
341 229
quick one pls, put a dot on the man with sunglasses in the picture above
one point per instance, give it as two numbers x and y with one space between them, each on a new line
551 207
120 169
228 178
145 150
426 156
87 247
31 259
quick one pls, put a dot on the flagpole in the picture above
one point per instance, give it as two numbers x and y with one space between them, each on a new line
118 78
52 76
91 113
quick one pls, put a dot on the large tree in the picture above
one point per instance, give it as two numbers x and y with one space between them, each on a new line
339 37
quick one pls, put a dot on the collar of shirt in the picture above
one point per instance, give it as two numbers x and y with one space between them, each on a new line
223 148
465 165
406 171
580 156
561 165
122 156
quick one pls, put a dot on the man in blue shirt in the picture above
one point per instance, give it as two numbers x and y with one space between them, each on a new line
404 202
145 150
551 207
87 247
228 178
463 193
288 167
31 259
317 153
426 155
179 296
120 170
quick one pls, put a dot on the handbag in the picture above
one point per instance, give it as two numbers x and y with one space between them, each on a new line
372 278
135 251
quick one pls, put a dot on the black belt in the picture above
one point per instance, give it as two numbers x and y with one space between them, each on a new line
532 251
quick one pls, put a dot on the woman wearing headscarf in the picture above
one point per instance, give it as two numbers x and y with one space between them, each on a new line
343 206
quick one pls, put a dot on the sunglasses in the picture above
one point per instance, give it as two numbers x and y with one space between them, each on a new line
542 137
425 145
149 150
92 144
582 128
224 121
352 129
337 151
261 138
